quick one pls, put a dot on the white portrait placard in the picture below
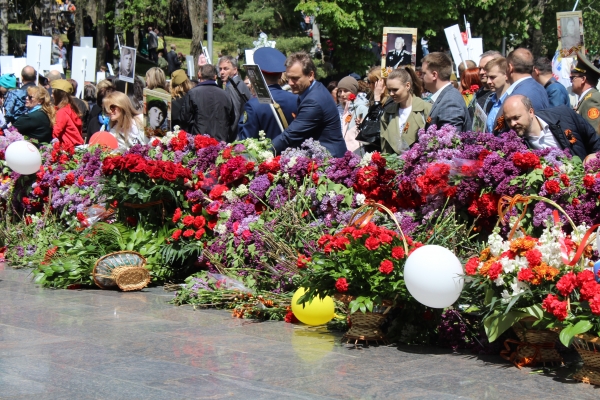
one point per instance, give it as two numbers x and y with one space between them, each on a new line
83 66
39 52
86 41
127 64
398 47
6 65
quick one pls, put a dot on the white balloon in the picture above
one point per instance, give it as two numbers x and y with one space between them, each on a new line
433 276
23 157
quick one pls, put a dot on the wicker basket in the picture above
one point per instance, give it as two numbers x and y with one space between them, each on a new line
123 269
366 327
534 345
588 348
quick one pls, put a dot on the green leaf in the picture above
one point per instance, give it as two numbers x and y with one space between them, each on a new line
567 334
496 324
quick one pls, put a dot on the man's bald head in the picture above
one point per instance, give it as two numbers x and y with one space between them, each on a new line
28 74
519 114
521 61
53 75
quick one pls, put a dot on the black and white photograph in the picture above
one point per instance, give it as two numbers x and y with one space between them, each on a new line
127 64
570 31
157 113
399 47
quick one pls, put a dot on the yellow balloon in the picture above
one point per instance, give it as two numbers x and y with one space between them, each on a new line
318 312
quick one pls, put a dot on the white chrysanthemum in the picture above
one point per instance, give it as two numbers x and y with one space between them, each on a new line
220 229
499 281
366 159
241 190
360 199
230 195
496 244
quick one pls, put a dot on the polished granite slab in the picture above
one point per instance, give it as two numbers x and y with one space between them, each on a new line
94 344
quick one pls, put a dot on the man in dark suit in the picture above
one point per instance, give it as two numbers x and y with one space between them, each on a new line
559 127
235 88
259 117
399 56
317 116
520 68
448 104
542 73
207 108
173 60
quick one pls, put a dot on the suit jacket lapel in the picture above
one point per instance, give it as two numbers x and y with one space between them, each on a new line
439 99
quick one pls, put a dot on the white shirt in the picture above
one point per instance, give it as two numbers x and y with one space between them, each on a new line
403 114
135 136
545 140
514 85
437 94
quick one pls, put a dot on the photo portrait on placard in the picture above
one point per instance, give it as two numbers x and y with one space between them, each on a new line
127 64
570 32
399 47
157 113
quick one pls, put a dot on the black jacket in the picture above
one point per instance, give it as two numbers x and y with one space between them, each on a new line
35 125
208 110
173 60
177 113
93 124
584 140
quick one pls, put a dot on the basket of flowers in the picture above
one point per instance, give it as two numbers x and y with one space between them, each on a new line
362 266
517 276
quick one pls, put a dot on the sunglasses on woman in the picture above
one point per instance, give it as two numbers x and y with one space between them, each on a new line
29 97
112 108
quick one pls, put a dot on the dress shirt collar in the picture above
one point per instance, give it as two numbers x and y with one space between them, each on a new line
514 85
435 96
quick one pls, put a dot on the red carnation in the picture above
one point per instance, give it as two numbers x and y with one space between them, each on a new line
526 161
69 179
525 275
534 257
176 235
80 217
290 318
341 285
566 284
302 261
584 276
565 180
398 252
548 172
386 267
552 187
378 160
588 181
472 265
372 243
589 289
188 233
595 304
495 270
177 215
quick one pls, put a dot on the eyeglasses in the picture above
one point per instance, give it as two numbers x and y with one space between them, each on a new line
573 77
29 97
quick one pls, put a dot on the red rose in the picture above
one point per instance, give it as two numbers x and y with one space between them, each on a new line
156 173
351 97
566 284
169 176
199 233
372 243
196 208
188 233
81 217
472 265
139 167
552 187
386 267
341 285
213 208
176 235
199 222
177 215
26 201
38 191
397 252
188 220
217 192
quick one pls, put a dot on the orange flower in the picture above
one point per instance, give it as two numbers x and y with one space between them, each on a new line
522 244
485 269
500 124
485 254
348 118
543 272
570 136
405 127
428 120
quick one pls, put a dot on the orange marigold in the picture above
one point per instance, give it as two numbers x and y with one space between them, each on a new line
485 254
544 272
485 269
522 244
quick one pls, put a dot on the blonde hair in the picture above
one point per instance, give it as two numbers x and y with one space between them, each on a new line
155 78
42 96
128 112
180 90
373 76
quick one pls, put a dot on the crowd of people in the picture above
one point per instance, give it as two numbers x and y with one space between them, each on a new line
383 111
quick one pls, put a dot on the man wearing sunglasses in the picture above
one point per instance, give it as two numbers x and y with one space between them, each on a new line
584 78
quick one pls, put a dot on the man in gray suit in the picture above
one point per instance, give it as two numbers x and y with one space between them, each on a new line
448 104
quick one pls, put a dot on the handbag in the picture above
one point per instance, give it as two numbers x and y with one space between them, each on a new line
370 129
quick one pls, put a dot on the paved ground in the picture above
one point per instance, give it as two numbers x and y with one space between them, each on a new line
67 344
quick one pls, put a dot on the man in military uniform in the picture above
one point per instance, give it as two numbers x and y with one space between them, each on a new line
584 78
399 56
259 117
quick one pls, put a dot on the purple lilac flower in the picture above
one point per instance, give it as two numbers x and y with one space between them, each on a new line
258 188
278 196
